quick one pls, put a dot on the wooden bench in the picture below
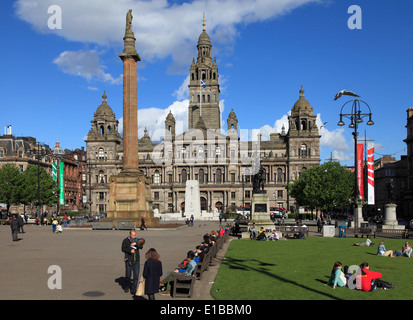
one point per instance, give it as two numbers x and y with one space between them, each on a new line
203 265
404 232
364 232
183 285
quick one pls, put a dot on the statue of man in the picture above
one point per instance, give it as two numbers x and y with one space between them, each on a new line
258 181
129 18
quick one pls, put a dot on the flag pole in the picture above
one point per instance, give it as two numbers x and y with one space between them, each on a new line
200 99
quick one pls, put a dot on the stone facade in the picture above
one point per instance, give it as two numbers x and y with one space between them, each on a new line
216 157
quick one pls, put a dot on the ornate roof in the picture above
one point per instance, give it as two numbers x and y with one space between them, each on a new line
104 110
302 105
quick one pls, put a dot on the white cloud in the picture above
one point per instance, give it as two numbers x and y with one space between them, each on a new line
153 119
183 91
161 28
86 64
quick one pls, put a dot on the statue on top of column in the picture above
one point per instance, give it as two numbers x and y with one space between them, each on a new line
129 18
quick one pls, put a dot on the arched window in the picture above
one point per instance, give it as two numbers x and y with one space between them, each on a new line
280 175
218 176
101 176
101 154
183 176
156 177
201 176
303 150
203 203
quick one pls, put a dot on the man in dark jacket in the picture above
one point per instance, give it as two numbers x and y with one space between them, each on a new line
21 223
130 248
14 225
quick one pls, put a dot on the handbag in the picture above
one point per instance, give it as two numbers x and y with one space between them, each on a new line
140 291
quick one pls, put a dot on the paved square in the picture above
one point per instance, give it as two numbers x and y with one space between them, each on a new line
91 260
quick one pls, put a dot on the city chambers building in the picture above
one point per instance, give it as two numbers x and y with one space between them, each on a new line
216 157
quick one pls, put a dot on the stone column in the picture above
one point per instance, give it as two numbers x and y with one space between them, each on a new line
130 190
129 57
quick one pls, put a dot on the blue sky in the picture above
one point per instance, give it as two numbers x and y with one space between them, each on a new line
53 79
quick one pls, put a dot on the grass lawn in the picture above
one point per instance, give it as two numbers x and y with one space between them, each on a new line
298 269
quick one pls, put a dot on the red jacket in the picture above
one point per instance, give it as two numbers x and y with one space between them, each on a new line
367 278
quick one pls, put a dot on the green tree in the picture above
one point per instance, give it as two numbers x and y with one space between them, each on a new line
321 187
10 185
48 187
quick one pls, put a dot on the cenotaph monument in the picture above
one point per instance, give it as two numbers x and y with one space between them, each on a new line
192 199
130 190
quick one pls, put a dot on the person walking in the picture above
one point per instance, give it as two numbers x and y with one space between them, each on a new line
14 225
21 223
130 248
143 225
152 272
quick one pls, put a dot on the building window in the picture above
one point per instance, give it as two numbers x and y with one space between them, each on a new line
218 176
280 193
101 154
1 154
247 193
303 150
201 176
156 195
183 176
156 177
101 178
233 195
280 175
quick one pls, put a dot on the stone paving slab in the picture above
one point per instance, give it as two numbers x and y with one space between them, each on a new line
91 261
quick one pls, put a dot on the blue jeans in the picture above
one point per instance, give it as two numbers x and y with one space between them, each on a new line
129 270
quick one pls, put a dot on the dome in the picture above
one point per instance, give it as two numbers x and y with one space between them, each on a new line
232 115
57 150
204 39
302 104
170 117
104 109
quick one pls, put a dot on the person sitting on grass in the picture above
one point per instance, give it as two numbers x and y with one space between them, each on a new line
371 280
262 236
381 250
274 236
337 276
407 249
253 231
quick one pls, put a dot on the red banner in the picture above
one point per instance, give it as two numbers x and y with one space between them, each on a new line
370 170
360 170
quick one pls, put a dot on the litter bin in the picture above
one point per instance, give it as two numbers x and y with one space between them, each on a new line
343 231
328 231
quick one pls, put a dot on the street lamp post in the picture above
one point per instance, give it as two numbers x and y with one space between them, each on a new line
356 118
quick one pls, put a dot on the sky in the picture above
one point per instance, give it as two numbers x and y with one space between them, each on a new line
58 56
